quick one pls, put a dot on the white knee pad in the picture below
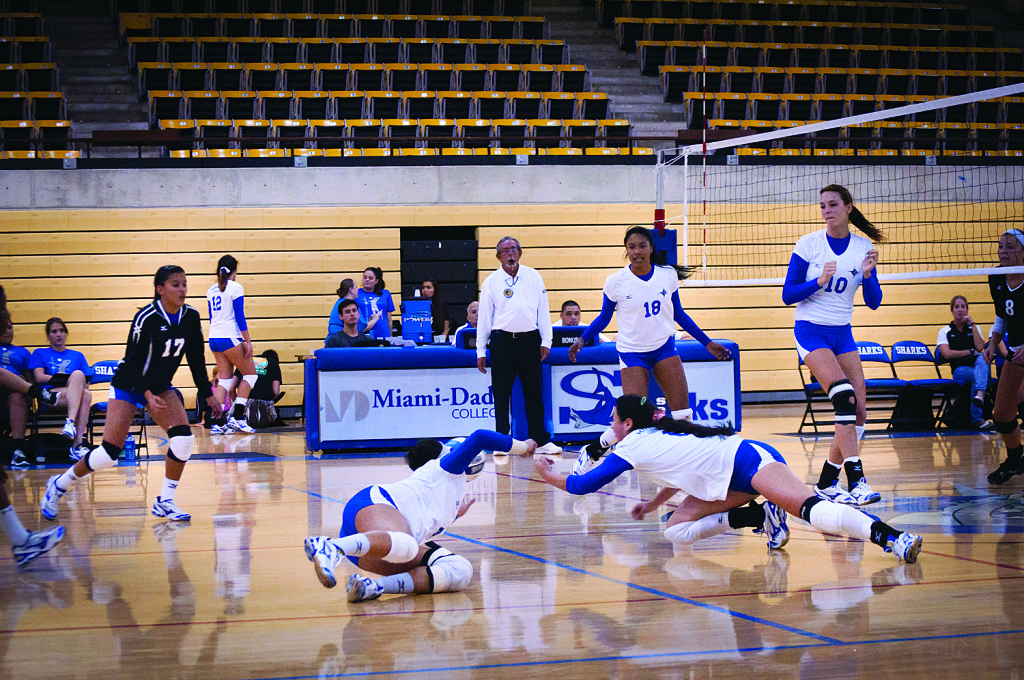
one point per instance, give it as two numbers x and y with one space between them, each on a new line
181 447
705 527
250 380
834 518
98 459
403 547
450 572
683 414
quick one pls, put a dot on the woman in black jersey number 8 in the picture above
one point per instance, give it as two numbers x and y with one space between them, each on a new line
1008 296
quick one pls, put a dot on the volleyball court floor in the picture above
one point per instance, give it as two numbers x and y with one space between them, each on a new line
563 587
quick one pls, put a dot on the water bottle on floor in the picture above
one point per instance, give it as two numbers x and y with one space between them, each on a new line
129 450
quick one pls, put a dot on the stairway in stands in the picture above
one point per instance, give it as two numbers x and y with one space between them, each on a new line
98 87
633 96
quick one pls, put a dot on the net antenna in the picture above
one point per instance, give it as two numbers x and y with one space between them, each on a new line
940 219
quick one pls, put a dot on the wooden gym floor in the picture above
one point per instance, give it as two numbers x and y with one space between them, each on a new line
563 587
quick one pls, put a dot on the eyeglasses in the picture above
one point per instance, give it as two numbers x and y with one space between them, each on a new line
506 251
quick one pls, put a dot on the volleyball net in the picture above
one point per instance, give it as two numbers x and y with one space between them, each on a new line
940 190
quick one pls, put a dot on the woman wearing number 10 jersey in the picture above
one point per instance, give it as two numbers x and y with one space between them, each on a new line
825 271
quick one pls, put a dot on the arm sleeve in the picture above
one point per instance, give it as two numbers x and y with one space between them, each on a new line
458 460
196 356
602 320
484 320
610 468
239 305
796 288
685 322
872 291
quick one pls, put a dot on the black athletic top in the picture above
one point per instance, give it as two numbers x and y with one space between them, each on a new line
156 343
1009 307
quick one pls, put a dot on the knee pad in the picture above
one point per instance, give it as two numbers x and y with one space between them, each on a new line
250 380
403 547
683 414
805 509
681 533
103 457
180 442
1005 427
449 573
844 402
608 439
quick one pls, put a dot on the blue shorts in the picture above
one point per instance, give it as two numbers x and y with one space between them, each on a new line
812 336
751 457
371 495
137 399
223 344
648 359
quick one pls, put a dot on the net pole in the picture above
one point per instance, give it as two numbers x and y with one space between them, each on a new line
659 192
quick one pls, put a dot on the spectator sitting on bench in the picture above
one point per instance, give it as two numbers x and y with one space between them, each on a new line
15 360
472 314
66 372
960 343
348 336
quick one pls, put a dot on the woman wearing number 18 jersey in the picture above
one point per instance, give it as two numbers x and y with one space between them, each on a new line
825 271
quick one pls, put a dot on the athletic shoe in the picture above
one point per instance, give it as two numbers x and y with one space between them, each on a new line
20 461
169 510
549 449
44 394
240 426
312 544
51 499
220 429
361 589
775 527
583 463
38 543
906 546
1007 469
985 425
834 493
69 429
324 560
862 493
79 452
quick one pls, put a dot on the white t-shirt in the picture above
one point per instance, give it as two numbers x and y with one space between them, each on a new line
699 466
222 310
643 308
515 304
429 499
833 304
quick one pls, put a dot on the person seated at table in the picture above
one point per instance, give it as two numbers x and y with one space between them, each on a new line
66 372
472 314
440 316
960 343
570 315
349 336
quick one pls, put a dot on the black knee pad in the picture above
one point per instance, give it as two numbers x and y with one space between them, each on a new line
805 509
1005 427
844 402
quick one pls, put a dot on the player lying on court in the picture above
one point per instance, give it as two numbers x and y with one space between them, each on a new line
386 529
722 474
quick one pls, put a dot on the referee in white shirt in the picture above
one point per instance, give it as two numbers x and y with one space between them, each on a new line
515 325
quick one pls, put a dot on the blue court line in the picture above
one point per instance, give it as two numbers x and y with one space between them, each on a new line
652 591
663 655
314 495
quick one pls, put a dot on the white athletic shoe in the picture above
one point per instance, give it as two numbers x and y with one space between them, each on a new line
79 452
360 589
583 463
220 429
324 560
863 495
19 461
775 527
38 543
69 430
834 493
240 426
312 544
906 546
169 510
51 499
549 449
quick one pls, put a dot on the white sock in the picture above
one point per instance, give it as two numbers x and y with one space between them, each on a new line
67 480
399 583
12 526
168 489
355 545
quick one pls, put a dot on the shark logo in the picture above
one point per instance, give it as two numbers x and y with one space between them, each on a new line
599 384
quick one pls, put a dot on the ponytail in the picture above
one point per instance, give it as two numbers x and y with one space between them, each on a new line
226 266
856 216
686 427
641 411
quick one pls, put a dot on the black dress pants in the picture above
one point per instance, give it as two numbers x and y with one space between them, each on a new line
518 355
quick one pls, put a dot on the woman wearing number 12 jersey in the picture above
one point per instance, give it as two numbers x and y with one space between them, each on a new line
825 271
